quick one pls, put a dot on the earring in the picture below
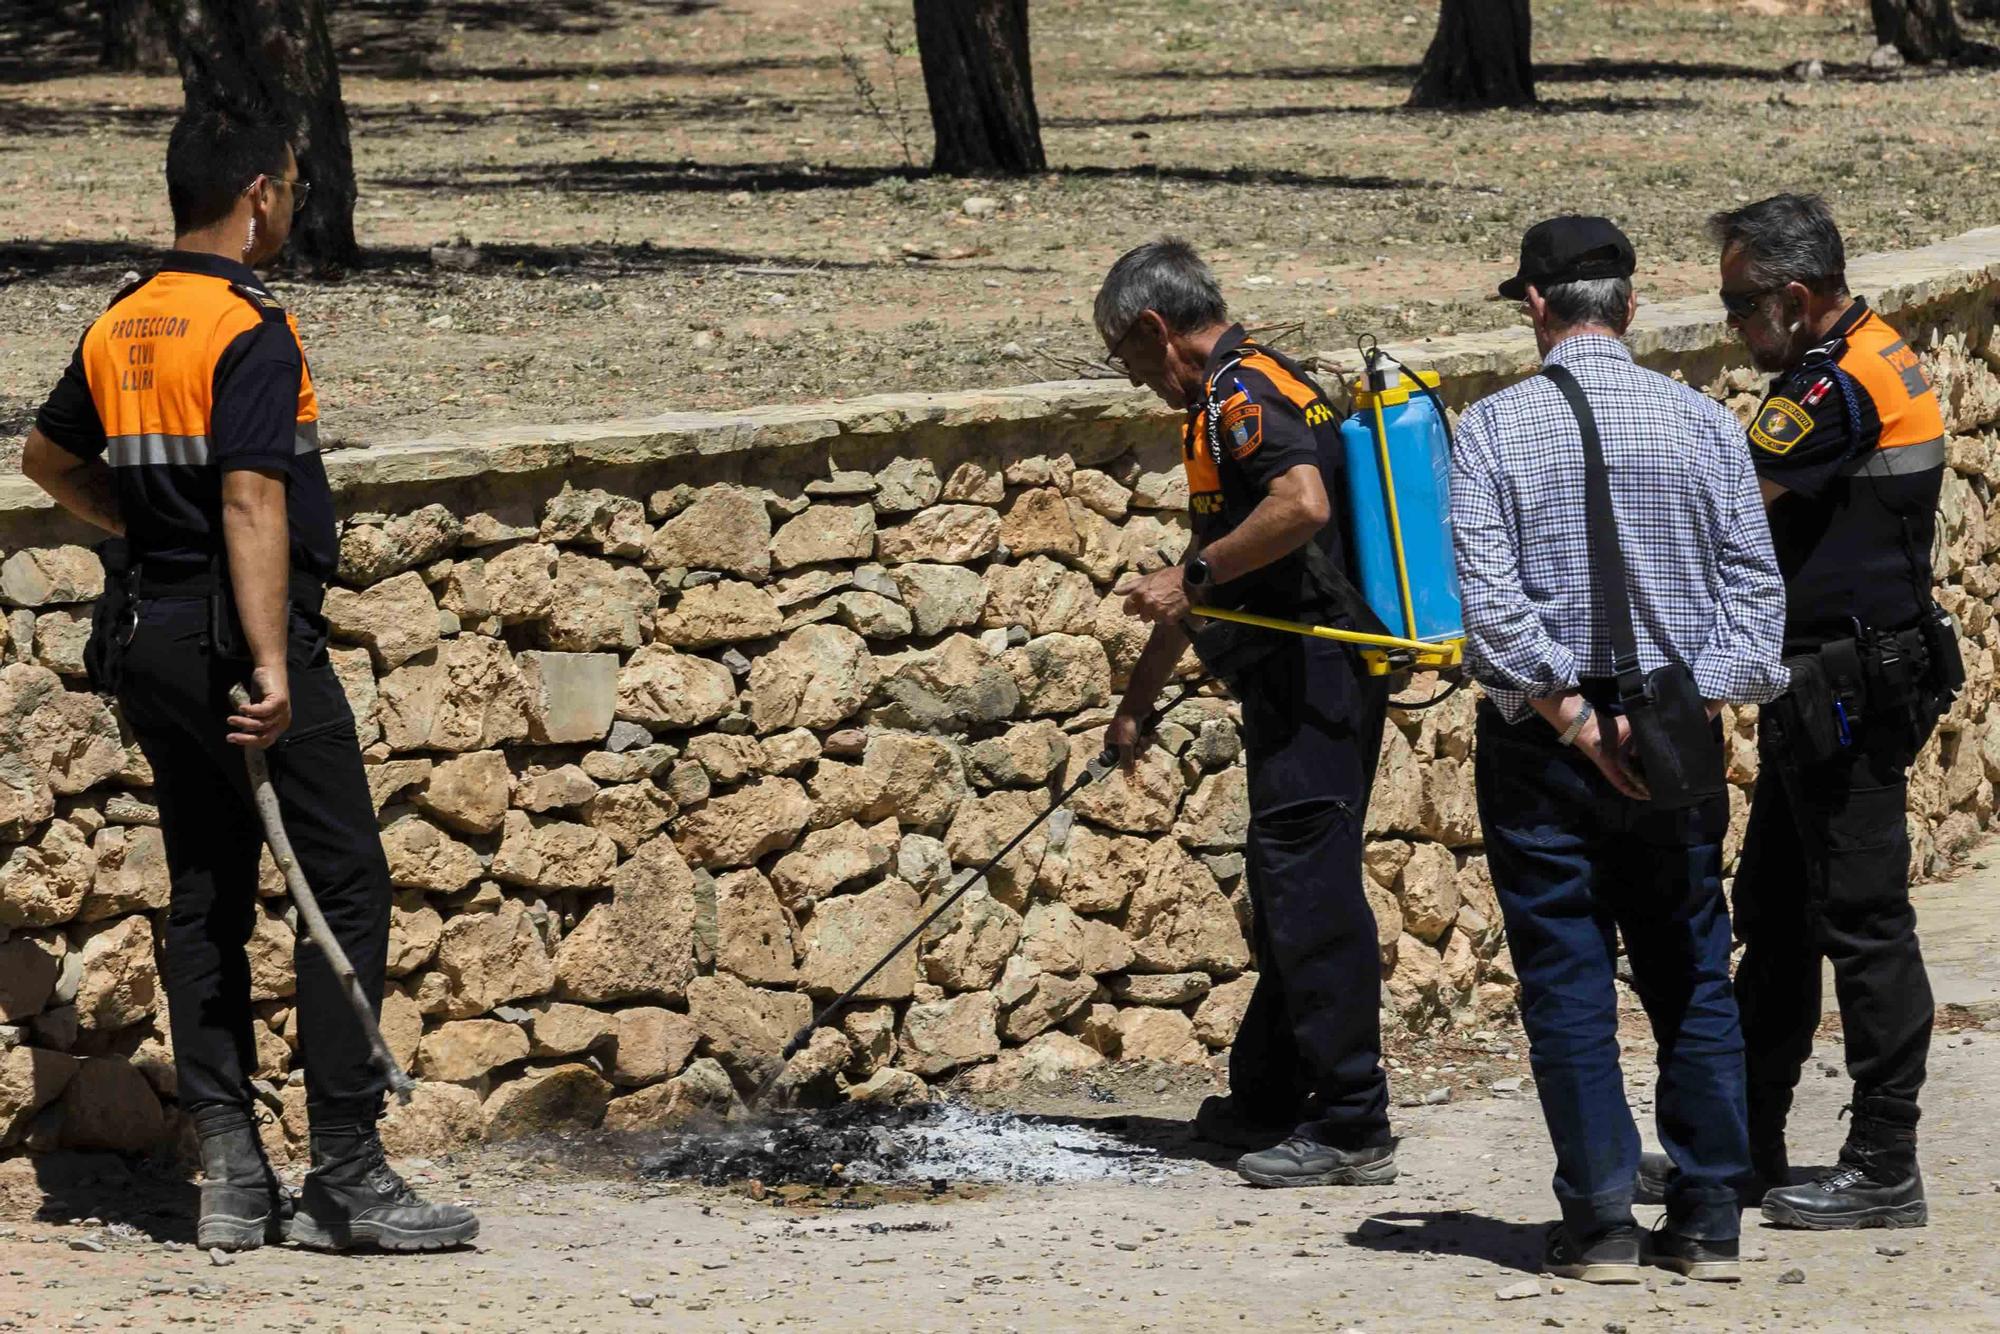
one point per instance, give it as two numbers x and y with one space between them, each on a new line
250 241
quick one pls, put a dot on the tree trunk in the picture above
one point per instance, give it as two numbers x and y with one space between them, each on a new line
1983 9
1927 31
135 39
1479 58
274 58
981 87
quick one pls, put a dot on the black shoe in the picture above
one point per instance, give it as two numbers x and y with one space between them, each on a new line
1303 1161
1219 1120
1611 1256
243 1205
353 1198
1656 1174
1706 1260
1875 1184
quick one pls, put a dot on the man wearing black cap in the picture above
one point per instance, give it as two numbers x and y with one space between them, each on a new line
1580 854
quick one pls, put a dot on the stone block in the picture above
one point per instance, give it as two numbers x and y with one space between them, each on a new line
571 697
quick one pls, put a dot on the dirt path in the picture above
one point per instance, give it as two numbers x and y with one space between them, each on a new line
566 1250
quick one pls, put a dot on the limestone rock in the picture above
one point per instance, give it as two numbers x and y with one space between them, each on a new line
1165 490
521 583
1428 891
1217 815
966 948
906 486
940 597
922 861
701 1094
597 605
790 752
120 985
1037 1001
108 1104
953 686
846 935
562 1029
941 1035
131 873
1041 595
540 790
826 859
489 959
1101 492
559 1097
59 641
1038 523
1141 802
1052 939
422 856
397 619
270 950
468 1050
825 533
1102 870
1221 1012
710 615
29 966
923 781
742 1027
629 814
1158 1035
842 792
612 523
661 688
739 827
1165 989
570 697
468 792
873 616
414 930
727 528
31 1078
644 760
1412 988
1179 921
554 855
985 824
891 1088
753 930
727 759
44 883
44 576
975 484
1060 674
817 677
481 702
1396 804
63 742
946 534
871 1034
438 1119
640 942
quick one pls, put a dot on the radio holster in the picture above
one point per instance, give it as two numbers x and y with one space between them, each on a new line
113 619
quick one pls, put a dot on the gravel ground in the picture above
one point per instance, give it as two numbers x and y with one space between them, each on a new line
673 205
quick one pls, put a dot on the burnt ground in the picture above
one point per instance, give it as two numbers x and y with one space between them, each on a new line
1146 1229
681 205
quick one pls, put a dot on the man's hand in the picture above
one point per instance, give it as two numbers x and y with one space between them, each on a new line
1608 743
1159 598
1126 735
259 724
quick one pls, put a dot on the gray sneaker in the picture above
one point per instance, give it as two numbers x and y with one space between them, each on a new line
1302 1161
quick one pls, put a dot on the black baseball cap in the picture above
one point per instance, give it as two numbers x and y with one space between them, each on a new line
1567 250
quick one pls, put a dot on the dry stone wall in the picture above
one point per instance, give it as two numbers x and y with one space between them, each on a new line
675 725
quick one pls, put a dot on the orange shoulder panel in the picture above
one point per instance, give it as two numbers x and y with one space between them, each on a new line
1291 386
1889 370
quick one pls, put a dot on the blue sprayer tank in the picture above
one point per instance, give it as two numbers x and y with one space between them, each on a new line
1417 503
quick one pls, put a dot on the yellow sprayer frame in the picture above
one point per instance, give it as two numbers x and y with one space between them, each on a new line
1381 653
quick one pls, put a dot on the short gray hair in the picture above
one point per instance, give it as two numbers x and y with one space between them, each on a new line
1786 239
1602 301
1165 276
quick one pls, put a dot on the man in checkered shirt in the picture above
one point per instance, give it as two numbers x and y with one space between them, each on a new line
1578 856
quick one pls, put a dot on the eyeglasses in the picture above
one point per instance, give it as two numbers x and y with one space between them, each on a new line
1742 305
300 189
1111 358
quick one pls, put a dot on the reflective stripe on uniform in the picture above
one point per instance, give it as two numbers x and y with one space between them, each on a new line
306 438
1900 461
132 451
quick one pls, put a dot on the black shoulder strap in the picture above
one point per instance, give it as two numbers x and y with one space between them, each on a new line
1602 527
128 289
261 301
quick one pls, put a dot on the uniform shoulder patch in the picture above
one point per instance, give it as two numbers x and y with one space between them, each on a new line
1780 425
1242 427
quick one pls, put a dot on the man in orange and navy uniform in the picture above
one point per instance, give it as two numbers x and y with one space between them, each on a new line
1263 461
1849 450
187 426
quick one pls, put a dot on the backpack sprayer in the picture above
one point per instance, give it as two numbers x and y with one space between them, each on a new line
1397 447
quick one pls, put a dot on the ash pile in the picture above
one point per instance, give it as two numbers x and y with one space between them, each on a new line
886 1146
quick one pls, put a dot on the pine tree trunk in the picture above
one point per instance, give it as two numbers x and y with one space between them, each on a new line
275 58
135 39
981 87
1927 31
1479 58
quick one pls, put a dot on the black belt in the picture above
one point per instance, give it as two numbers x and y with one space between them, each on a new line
194 581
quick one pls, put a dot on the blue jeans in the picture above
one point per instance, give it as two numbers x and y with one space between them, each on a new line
1575 865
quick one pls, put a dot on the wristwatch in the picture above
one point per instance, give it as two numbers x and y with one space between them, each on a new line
1196 575
1568 738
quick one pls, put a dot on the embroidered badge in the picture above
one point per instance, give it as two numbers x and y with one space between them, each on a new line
1780 425
1242 428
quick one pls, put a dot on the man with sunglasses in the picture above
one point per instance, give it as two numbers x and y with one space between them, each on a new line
1849 450
1264 467
187 426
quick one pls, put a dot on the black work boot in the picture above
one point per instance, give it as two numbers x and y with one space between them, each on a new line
352 1198
1768 1170
1874 1184
1304 1161
242 1203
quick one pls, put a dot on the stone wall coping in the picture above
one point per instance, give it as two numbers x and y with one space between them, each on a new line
1476 363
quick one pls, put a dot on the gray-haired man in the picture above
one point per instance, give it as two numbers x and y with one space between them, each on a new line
1263 463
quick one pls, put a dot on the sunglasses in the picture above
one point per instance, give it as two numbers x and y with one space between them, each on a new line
1742 305
1112 359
